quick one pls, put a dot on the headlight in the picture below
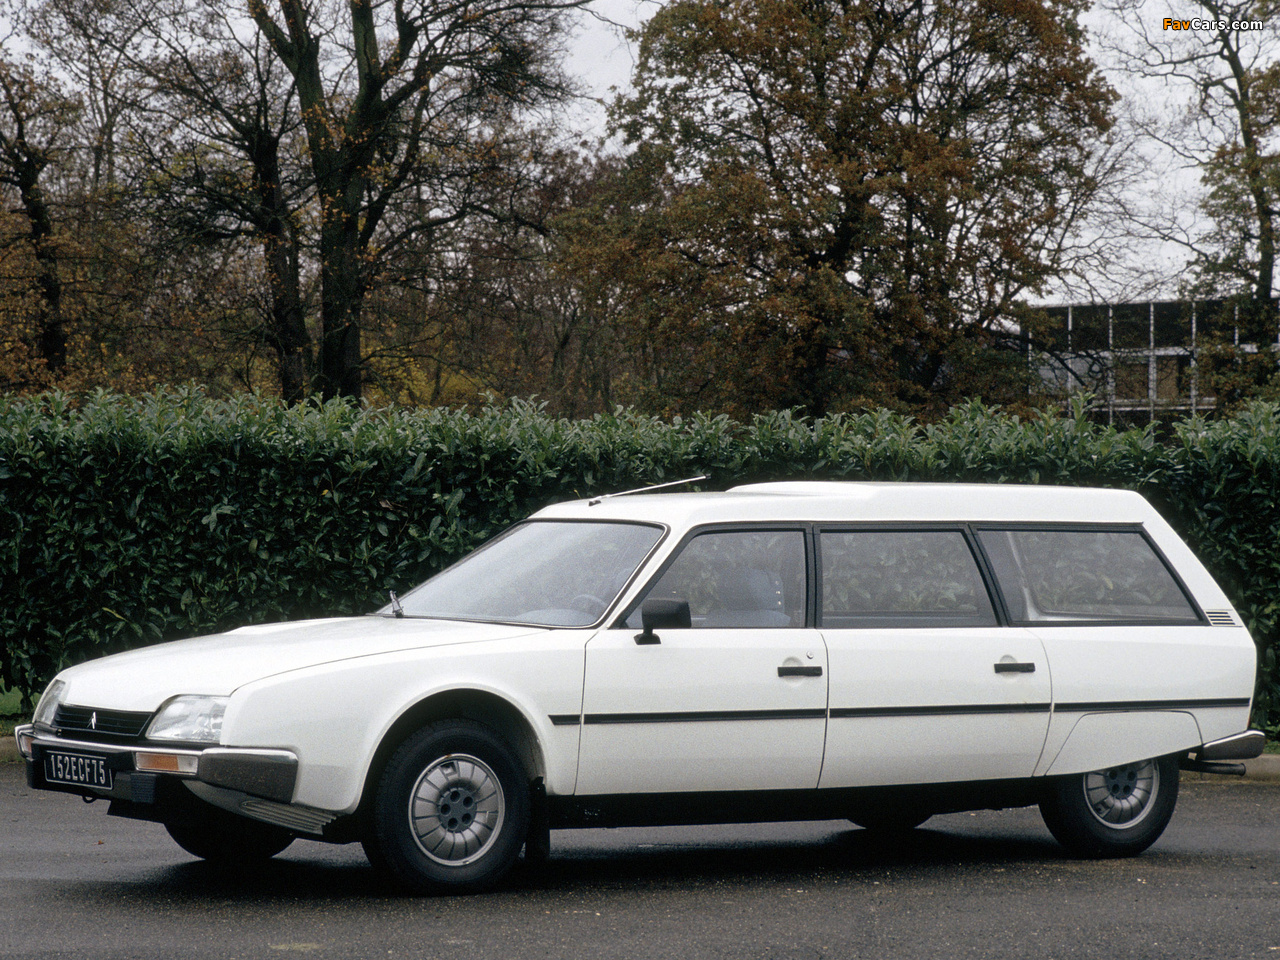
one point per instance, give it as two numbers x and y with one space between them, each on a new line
189 720
47 708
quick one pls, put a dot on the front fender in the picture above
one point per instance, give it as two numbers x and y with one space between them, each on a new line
333 716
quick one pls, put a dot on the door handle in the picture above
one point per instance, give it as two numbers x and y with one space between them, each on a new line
1009 666
799 671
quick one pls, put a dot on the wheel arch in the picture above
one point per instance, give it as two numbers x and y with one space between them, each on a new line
480 706
1098 740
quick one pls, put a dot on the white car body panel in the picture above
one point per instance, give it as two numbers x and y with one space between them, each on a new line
1099 740
1129 665
633 737
802 502
539 672
908 700
219 664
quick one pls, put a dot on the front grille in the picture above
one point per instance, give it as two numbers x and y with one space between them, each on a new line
1220 618
90 723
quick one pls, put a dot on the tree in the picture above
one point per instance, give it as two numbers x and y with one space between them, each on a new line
507 315
73 33
1222 57
390 93
833 202
91 295
1228 67
339 143
228 168
34 115
210 116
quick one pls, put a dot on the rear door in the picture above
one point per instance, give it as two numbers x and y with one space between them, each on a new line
925 685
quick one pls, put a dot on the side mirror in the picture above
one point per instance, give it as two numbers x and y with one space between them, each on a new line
658 614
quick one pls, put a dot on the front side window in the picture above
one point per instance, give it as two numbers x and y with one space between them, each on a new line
1074 575
901 578
547 573
737 579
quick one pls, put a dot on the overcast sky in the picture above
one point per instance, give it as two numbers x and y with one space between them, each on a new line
600 55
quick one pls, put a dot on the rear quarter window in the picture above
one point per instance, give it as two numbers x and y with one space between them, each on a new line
1061 575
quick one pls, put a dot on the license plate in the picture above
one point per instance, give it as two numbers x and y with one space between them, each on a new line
76 769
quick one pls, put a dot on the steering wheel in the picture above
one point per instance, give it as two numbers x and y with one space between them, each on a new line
589 603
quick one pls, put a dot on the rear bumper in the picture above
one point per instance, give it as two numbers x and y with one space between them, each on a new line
269 774
1238 746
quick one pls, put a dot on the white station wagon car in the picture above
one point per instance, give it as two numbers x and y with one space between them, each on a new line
783 651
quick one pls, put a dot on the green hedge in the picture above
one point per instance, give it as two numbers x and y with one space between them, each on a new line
129 520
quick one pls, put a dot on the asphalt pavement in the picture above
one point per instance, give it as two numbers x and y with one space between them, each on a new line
76 884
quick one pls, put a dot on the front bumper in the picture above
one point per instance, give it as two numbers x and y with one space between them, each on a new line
268 774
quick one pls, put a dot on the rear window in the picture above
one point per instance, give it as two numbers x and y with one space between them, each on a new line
1066 575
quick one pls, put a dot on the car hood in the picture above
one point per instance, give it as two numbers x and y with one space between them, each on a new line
216 665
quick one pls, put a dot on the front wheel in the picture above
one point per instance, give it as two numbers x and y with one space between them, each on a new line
1116 812
451 810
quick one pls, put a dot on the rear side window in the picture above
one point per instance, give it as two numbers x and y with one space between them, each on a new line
1080 575
901 578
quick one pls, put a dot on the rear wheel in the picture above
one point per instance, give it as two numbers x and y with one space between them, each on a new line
451 810
1115 812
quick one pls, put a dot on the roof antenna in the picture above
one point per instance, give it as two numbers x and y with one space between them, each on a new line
648 489
395 605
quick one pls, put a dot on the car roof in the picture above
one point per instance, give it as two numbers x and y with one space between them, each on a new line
835 501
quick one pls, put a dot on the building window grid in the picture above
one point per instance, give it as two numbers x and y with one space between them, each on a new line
1189 402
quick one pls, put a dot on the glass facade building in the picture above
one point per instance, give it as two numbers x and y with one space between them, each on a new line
1140 360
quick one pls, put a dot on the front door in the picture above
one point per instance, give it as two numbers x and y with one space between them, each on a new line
737 701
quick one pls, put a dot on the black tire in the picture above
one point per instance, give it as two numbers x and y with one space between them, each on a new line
222 838
1117 812
450 811
537 843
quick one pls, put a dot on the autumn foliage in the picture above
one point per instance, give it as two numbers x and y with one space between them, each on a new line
832 204
819 204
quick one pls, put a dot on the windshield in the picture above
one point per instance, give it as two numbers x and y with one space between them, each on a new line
549 573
